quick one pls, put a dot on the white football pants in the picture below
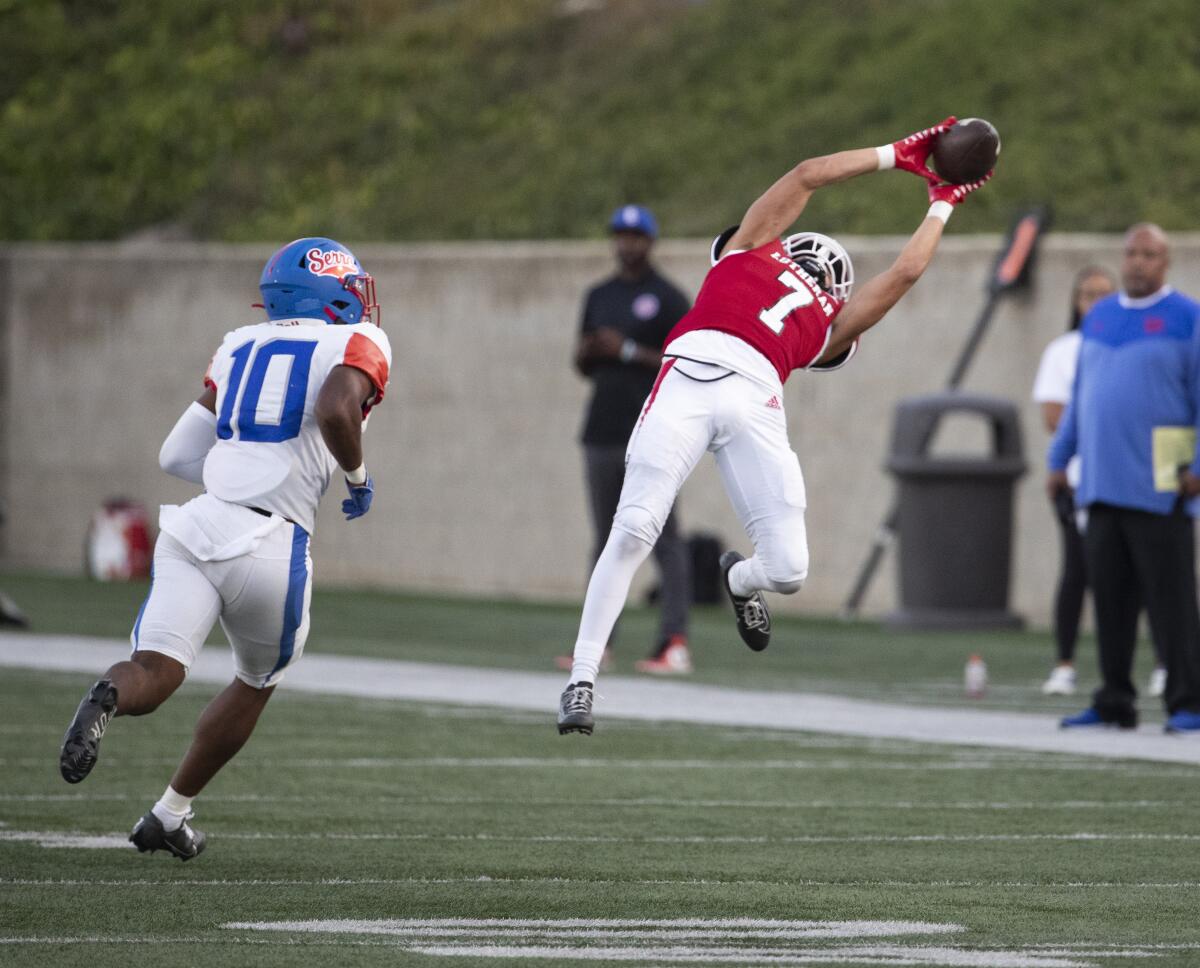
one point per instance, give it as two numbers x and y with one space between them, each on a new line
744 426
261 595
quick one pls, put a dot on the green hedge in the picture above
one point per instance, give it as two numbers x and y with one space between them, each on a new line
448 119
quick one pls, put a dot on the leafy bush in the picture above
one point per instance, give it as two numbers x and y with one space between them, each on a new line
456 119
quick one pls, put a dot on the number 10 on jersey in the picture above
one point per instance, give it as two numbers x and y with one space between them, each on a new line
272 406
800 296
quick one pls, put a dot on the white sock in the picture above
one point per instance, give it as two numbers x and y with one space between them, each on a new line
172 809
606 594
748 577
588 656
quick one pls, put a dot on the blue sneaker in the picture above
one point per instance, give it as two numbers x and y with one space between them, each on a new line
1183 722
1091 718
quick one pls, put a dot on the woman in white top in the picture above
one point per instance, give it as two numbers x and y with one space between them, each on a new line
1052 391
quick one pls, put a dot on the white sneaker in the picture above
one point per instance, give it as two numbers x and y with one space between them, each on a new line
1061 682
1158 681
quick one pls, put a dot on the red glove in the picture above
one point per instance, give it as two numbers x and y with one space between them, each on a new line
912 153
953 194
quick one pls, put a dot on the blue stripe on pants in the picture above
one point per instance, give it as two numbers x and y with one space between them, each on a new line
293 604
137 622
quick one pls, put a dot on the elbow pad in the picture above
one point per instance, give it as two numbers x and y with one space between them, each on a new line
188 443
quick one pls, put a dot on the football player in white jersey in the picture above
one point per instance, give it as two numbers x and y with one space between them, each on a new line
283 408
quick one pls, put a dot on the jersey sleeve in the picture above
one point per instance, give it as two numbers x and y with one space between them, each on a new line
368 350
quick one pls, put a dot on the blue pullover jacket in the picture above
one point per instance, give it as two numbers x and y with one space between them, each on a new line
1139 368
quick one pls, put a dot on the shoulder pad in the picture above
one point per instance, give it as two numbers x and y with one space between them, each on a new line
838 361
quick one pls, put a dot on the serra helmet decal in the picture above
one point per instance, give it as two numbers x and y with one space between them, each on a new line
338 263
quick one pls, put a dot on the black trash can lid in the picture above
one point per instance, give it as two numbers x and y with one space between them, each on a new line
917 418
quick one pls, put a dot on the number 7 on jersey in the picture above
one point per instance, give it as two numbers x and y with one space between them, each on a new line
800 296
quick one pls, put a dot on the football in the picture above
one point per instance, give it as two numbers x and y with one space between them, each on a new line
966 152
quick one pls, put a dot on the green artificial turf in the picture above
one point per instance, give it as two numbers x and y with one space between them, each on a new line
367 809
363 809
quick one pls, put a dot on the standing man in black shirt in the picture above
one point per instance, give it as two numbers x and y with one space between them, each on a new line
626 319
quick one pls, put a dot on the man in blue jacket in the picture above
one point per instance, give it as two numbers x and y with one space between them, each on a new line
1133 420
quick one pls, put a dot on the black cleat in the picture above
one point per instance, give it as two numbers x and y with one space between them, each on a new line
575 709
81 745
148 835
753 617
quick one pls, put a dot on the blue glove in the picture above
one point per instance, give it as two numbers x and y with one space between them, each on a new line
359 501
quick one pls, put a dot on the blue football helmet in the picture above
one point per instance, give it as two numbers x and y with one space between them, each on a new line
317 277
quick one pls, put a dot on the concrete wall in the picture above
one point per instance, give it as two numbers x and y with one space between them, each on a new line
474 452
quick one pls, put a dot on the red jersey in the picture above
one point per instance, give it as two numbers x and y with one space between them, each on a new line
764 298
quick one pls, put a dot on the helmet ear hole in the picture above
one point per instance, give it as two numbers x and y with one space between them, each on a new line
818 271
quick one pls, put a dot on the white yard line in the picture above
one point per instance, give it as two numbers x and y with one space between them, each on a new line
644 927
731 941
624 697
269 799
889 955
76 840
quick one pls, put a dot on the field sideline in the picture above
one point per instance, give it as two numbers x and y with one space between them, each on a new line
360 831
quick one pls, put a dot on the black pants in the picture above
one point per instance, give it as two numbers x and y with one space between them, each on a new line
1135 558
605 476
1072 580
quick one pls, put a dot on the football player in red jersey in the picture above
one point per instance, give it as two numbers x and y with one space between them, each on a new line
767 307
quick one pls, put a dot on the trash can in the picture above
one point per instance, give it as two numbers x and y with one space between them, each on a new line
955 515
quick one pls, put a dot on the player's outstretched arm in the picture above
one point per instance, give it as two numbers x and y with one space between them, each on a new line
781 204
339 413
871 302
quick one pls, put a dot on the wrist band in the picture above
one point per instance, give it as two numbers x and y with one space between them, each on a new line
358 475
628 350
940 210
887 156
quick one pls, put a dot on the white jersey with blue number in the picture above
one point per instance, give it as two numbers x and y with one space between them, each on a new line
269 452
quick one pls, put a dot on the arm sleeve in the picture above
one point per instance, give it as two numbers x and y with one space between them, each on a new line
188 443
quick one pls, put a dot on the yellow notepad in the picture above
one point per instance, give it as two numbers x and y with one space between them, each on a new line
1173 447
